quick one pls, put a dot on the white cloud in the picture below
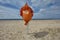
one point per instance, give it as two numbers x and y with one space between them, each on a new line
43 12
33 0
14 2
8 13
48 13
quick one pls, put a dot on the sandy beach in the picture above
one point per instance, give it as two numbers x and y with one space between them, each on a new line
35 30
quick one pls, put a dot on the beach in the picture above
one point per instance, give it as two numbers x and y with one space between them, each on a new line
35 30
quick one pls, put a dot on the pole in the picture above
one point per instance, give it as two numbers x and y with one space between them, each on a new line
27 29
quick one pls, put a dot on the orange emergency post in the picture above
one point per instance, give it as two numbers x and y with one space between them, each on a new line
27 13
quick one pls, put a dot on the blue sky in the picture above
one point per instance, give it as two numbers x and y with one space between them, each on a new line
43 9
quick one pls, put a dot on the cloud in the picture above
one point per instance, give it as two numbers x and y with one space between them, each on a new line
49 13
37 5
12 3
43 9
9 13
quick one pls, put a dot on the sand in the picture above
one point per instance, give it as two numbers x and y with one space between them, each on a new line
35 30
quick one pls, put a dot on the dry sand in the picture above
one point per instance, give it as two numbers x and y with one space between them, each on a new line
35 30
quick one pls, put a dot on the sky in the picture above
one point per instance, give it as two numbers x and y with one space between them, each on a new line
43 9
